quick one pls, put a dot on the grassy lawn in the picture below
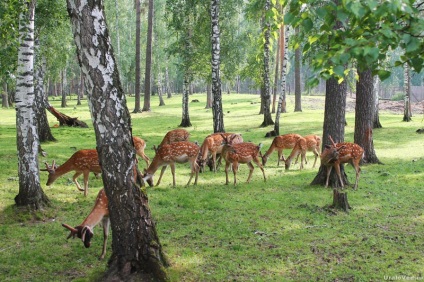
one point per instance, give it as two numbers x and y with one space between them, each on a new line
280 230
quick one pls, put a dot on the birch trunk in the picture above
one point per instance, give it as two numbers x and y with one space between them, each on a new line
283 83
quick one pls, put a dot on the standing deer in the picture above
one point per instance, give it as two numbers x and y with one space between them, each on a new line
99 213
213 144
243 153
175 135
169 154
281 142
310 143
83 162
339 153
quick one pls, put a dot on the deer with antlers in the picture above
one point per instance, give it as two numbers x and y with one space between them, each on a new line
213 145
281 142
243 153
175 135
169 154
83 162
339 153
309 143
99 213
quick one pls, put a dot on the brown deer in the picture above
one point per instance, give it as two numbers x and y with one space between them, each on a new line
310 143
99 213
175 135
339 153
281 142
243 153
82 162
140 145
169 154
213 145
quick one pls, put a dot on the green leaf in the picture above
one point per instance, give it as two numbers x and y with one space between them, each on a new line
417 64
339 70
307 24
383 74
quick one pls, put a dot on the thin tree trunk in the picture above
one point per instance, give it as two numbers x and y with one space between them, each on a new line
376 116
283 51
5 98
218 116
161 101
167 84
407 113
148 70
185 121
62 86
277 72
137 91
297 85
209 97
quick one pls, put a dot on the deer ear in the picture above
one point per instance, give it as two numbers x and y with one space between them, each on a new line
86 236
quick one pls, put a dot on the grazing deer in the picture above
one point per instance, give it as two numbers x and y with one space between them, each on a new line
311 143
340 153
140 145
175 135
281 142
213 144
83 162
99 213
243 153
169 154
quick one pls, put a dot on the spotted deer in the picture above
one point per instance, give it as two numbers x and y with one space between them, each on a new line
281 142
139 146
243 153
83 162
175 135
213 145
99 213
169 154
308 143
339 153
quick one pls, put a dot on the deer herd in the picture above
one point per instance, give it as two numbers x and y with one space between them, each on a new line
176 148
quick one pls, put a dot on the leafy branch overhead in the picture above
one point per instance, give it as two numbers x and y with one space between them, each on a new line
367 31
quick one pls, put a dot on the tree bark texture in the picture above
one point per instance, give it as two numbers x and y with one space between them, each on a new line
334 125
148 70
277 72
364 112
136 251
218 116
376 91
407 113
340 200
137 94
4 96
281 99
209 98
297 85
266 98
30 192
185 120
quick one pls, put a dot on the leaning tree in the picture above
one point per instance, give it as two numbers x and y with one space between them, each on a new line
136 251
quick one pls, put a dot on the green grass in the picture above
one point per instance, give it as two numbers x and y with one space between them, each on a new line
280 230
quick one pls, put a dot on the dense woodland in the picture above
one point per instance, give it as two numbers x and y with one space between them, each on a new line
96 50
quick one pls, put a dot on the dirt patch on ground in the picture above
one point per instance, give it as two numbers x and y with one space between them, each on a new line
394 107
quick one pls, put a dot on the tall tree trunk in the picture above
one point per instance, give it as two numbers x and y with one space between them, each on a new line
407 113
148 70
136 251
284 45
118 41
185 121
167 84
297 85
364 112
376 90
63 88
266 100
277 73
137 91
161 101
30 192
5 96
44 132
283 51
209 98
218 116
334 126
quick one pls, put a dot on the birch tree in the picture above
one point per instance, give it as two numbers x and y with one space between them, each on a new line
136 251
30 191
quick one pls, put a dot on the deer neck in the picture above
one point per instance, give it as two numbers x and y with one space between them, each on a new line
99 210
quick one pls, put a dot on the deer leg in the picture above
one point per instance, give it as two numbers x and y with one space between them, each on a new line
329 168
194 169
105 223
251 168
146 159
161 174
74 178
302 158
258 163
337 167
86 174
279 153
214 161
227 166
358 171
172 165
315 151
235 168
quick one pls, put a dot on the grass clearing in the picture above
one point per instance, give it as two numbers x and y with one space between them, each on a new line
274 231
